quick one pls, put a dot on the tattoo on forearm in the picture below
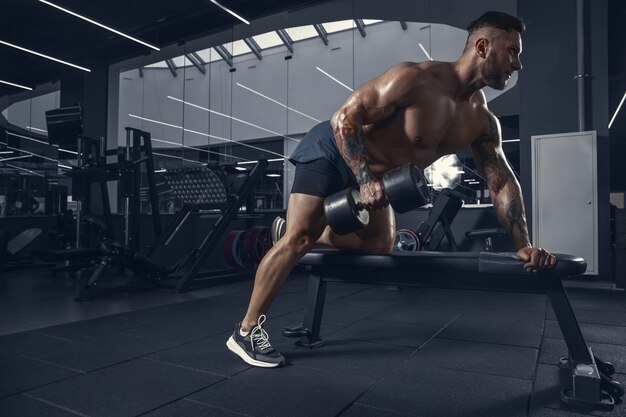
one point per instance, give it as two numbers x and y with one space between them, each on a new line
506 193
351 145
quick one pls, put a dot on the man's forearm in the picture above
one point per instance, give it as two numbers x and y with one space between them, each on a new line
351 145
509 207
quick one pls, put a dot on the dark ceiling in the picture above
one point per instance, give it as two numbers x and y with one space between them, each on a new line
42 28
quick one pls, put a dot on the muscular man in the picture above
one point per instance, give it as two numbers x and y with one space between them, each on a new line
414 112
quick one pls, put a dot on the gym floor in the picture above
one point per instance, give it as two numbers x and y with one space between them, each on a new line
387 352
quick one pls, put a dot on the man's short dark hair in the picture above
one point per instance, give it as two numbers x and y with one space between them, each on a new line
498 20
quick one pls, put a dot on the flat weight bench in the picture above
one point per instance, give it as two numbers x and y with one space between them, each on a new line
592 384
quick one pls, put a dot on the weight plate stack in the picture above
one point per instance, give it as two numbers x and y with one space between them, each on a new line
406 241
233 248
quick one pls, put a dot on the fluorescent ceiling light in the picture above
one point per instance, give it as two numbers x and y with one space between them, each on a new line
26 137
24 169
277 102
617 111
30 153
15 157
202 134
272 175
425 52
333 78
64 166
230 12
65 150
37 129
16 85
44 56
160 170
254 162
5 152
232 118
511 140
99 24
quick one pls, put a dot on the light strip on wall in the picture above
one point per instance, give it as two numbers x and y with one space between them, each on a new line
277 102
617 111
16 85
197 149
30 153
26 137
37 129
202 134
426 53
44 56
93 22
232 118
227 10
254 162
16 157
333 78
24 169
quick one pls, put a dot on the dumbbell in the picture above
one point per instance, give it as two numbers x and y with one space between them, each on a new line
405 188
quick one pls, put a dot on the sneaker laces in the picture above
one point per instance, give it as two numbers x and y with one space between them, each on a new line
260 336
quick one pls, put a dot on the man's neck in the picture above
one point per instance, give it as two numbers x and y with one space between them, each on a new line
468 77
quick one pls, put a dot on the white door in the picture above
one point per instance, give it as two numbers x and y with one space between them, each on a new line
565 211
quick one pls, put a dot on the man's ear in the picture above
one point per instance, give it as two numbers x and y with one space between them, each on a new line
480 46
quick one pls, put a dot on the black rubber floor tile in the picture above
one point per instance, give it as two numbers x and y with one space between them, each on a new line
24 406
509 361
337 316
611 318
505 316
127 389
349 356
289 391
398 334
369 305
187 329
513 301
162 314
100 352
86 329
27 342
551 412
598 304
444 298
411 313
187 408
19 374
547 393
335 290
554 349
599 333
498 333
432 391
389 293
210 355
287 303
363 411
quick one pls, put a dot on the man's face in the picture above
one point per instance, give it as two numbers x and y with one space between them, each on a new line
503 59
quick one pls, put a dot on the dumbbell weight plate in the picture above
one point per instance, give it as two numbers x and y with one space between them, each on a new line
232 248
406 241
406 188
344 213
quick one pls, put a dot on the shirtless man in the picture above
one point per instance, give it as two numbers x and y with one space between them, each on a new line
414 112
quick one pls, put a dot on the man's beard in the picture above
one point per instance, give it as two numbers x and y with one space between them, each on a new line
492 77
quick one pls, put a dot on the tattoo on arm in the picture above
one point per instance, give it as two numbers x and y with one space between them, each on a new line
351 144
505 191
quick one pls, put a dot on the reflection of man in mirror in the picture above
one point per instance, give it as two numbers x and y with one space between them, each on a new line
414 112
